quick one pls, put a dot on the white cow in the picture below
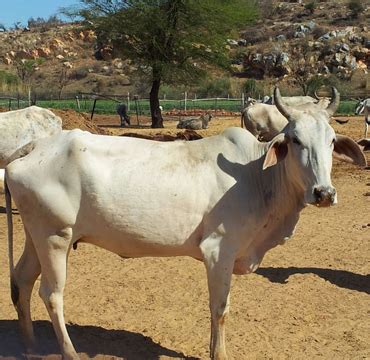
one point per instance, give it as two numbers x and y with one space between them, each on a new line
19 127
363 106
297 100
266 121
231 199
2 174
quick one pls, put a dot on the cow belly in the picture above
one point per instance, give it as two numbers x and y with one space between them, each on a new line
132 246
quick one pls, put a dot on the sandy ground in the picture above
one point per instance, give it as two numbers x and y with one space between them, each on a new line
309 299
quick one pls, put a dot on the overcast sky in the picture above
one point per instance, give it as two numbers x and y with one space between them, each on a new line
12 11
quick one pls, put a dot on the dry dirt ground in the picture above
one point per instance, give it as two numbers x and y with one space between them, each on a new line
308 300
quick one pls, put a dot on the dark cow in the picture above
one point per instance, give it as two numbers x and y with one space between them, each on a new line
122 112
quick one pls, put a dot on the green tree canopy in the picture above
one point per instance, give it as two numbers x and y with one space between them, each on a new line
172 41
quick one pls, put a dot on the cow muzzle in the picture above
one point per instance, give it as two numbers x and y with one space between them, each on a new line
324 196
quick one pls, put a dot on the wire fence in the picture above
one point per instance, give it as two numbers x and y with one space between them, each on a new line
107 104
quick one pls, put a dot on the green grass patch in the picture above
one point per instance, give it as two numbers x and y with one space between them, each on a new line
346 107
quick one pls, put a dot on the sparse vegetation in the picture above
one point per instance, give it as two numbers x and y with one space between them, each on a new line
311 6
44 24
8 81
356 7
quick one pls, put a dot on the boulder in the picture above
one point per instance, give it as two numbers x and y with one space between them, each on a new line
7 60
281 37
24 54
89 35
232 42
68 65
349 61
57 45
299 35
44 52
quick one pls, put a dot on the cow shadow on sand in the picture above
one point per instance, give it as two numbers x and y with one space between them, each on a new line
89 342
342 278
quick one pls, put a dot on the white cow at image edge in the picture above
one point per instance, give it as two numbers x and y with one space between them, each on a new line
19 127
231 199
2 174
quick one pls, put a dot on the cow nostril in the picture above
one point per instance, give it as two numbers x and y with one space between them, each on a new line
324 194
317 192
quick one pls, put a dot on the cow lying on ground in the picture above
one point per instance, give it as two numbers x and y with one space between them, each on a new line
266 121
231 199
19 127
195 123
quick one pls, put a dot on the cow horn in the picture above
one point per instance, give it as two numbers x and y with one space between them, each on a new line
315 95
285 110
334 103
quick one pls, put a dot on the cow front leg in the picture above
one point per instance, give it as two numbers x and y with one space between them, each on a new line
22 282
53 259
219 265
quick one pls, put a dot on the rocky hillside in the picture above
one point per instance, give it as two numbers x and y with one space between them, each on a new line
63 58
293 41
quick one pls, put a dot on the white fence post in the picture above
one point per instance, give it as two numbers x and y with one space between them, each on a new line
128 101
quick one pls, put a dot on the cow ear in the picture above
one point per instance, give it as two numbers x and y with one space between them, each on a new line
276 152
347 150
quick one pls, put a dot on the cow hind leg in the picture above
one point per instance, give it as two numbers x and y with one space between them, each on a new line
23 279
53 260
219 270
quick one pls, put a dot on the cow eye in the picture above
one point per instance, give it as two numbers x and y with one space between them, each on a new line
296 141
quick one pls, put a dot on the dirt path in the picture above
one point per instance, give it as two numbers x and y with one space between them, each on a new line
309 299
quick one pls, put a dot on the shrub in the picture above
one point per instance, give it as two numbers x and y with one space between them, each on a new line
79 73
356 7
218 87
311 6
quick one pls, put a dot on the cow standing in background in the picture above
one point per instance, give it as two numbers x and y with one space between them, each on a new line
266 121
364 106
122 112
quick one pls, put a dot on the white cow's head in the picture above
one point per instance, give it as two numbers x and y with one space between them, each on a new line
307 143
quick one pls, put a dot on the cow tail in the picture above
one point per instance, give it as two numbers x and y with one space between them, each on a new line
9 218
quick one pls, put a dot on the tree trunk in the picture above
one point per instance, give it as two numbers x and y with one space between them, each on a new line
157 120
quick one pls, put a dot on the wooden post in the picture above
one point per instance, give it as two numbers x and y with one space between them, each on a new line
93 110
78 103
137 110
10 104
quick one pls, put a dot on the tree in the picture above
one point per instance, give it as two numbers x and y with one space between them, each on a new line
171 41
63 78
25 70
356 8
305 66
